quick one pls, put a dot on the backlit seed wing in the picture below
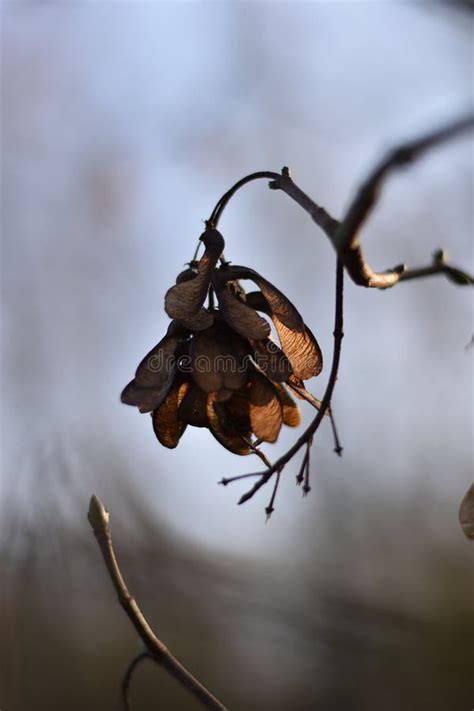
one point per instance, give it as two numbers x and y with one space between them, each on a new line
241 318
266 414
167 424
301 349
271 360
185 299
279 305
291 412
229 422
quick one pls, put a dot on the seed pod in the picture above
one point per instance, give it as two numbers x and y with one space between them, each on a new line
167 424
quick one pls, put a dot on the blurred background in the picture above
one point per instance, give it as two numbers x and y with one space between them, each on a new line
122 125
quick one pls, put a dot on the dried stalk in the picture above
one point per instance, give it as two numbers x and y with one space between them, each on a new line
156 650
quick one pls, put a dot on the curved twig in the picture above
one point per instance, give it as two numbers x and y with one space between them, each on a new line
99 519
221 204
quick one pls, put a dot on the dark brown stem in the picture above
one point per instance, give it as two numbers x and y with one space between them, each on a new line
307 470
326 401
270 508
216 214
99 520
346 237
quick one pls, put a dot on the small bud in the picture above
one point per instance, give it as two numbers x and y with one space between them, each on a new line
98 515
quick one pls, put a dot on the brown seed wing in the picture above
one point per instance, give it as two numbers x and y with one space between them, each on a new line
278 303
297 341
146 399
301 349
192 410
271 360
257 301
185 299
242 318
167 424
229 422
157 364
266 416
291 412
154 375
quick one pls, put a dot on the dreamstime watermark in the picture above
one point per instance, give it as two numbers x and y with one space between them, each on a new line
222 363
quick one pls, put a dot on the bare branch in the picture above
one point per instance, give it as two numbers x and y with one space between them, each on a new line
99 520
344 235
439 265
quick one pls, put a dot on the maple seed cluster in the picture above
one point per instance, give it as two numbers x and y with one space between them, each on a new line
217 366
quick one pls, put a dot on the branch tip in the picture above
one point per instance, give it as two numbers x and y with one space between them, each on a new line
98 516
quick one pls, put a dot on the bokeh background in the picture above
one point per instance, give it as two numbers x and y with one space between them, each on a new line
122 124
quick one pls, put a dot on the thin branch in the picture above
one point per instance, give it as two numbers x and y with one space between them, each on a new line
439 265
344 235
325 403
270 508
368 193
128 678
99 520
305 395
303 474
338 448
221 204
307 471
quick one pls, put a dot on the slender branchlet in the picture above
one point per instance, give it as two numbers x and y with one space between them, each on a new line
155 649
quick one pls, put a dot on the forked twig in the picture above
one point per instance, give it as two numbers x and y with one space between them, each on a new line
344 236
99 520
